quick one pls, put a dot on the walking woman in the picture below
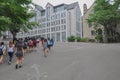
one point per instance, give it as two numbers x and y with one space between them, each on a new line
10 50
2 51
19 51
45 46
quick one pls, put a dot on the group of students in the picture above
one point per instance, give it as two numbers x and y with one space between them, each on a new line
47 44
12 49
20 47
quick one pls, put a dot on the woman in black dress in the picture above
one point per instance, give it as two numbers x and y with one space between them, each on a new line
19 51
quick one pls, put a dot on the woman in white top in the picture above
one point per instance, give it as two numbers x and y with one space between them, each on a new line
10 50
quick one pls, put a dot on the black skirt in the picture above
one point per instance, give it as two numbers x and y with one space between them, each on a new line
19 54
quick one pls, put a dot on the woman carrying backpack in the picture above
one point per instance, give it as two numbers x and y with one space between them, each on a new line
45 46
19 51
51 42
2 51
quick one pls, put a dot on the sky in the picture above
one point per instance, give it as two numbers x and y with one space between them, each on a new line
56 2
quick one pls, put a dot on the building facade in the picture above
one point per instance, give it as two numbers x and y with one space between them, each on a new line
57 22
88 29
90 32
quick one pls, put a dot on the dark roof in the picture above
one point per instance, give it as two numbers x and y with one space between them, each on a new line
39 7
60 5
67 6
72 6
43 10
49 4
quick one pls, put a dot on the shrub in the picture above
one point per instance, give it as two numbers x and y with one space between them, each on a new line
84 39
78 39
99 38
91 40
71 38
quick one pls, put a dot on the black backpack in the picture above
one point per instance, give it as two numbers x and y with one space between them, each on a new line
1 50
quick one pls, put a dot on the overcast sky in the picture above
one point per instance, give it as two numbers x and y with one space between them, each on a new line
56 2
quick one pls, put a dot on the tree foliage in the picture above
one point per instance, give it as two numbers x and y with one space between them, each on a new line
106 14
16 15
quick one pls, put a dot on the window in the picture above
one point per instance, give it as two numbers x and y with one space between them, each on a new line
52 29
58 16
57 22
39 31
35 32
48 24
60 8
63 21
53 36
54 23
48 35
63 36
58 37
48 13
58 28
43 30
63 27
31 32
43 13
63 15
48 29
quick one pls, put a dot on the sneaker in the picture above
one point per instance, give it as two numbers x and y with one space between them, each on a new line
16 66
9 62
45 55
20 66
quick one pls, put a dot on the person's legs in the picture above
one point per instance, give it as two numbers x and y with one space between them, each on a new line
1 58
46 51
20 62
17 63
49 47
10 56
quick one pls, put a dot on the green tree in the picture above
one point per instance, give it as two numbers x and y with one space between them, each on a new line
4 21
107 15
17 11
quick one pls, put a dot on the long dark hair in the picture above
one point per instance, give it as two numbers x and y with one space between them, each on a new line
45 40
10 43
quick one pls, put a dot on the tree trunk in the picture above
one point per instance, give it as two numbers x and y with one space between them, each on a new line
14 36
105 37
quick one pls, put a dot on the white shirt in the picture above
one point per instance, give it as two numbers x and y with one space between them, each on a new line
11 49
3 48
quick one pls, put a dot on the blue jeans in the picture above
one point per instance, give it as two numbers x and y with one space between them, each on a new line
10 56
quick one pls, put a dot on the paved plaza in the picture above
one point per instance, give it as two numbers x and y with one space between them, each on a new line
68 61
